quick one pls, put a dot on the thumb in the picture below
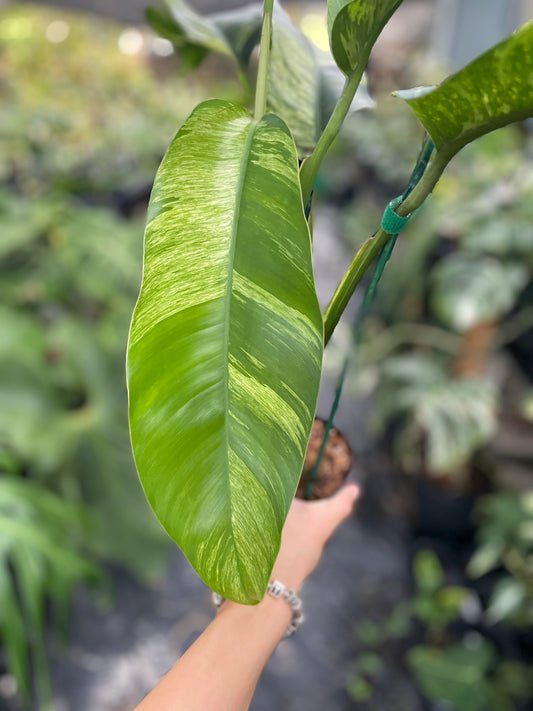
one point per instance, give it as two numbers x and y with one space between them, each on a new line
339 506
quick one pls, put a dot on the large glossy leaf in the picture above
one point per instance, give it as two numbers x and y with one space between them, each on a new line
304 84
225 346
492 91
354 26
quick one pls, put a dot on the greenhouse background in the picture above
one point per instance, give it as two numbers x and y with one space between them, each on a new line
424 599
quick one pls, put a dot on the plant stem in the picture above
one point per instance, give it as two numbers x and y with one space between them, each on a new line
373 247
344 291
311 165
264 55
426 184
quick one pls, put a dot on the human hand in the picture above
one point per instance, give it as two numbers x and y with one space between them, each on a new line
308 526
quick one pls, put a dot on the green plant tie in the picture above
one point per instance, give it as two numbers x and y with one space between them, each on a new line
392 224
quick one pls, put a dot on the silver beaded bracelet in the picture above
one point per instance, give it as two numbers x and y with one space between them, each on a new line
277 590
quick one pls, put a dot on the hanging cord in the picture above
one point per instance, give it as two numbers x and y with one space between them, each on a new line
393 225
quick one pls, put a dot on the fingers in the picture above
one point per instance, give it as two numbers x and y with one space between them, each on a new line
347 495
338 507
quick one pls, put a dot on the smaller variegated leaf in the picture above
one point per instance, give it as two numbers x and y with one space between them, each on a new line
494 90
304 84
354 26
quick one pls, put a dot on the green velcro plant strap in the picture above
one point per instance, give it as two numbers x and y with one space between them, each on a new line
392 223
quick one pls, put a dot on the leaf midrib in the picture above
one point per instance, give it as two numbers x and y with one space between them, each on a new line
243 168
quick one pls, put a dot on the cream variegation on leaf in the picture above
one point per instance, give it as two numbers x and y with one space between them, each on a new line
225 347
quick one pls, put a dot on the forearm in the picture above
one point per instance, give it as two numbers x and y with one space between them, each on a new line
220 670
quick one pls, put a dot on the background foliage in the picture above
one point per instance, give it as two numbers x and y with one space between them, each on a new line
83 128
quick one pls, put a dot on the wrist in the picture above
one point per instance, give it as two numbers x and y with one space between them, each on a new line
276 592
269 613
290 576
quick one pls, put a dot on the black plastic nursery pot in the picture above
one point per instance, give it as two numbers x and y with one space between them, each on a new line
441 512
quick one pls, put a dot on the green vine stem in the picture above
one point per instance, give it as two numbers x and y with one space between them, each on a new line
264 56
373 246
311 165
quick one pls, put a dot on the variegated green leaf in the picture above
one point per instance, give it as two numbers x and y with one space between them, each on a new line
304 84
225 346
354 26
242 29
193 35
233 33
492 91
471 289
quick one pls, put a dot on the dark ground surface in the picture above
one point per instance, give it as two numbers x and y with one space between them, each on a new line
114 658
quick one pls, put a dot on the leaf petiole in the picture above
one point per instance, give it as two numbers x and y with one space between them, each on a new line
311 165
264 56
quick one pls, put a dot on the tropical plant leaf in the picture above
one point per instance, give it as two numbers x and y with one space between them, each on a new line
508 596
492 91
331 86
354 26
12 633
457 418
440 421
192 34
192 53
225 346
450 674
30 573
242 29
303 83
233 33
468 289
37 559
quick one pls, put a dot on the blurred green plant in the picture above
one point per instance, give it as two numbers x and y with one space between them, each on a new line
432 605
432 353
450 304
504 537
66 296
468 677
439 420
89 126
92 120
42 538
465 674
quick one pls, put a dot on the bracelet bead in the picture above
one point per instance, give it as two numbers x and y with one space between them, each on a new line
277 590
